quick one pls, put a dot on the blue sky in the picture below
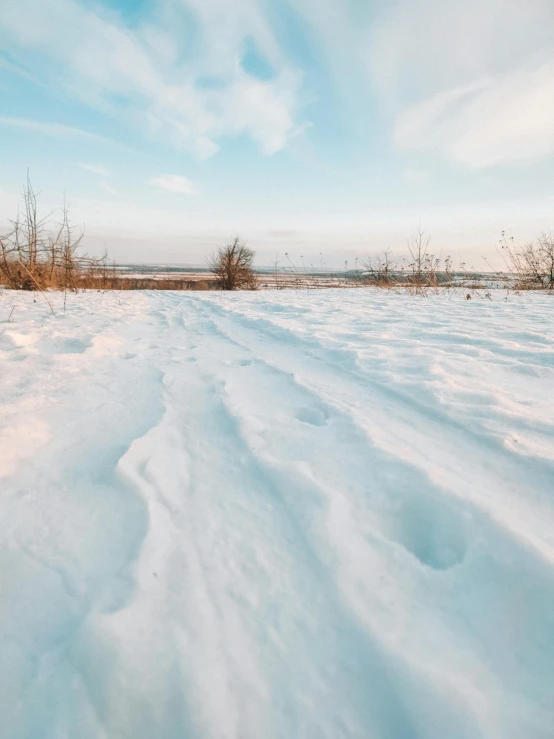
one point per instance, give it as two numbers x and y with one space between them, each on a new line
306 126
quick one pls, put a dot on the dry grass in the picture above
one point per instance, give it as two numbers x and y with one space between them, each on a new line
418 272
116 282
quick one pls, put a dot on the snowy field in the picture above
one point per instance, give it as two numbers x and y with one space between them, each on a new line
316 515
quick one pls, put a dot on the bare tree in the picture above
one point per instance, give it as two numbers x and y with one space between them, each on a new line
232 266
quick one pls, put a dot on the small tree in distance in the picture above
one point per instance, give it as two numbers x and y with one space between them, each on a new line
232 266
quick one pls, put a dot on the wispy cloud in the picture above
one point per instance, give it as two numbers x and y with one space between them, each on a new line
50 129
95 169
18 70
469 82
503 119
174 183
138 74
419 47
108 188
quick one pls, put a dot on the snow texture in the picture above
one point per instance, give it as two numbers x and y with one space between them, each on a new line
292 515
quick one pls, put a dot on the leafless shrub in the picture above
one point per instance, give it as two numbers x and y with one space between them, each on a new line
424 268
382 269
418 272
532 264
232 267
35 255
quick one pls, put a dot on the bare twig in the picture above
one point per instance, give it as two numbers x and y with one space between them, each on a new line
38 287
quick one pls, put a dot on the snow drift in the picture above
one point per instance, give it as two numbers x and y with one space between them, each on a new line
277 515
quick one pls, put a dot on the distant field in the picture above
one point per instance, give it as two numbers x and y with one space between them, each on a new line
291 277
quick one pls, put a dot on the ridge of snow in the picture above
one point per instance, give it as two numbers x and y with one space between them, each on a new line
277 514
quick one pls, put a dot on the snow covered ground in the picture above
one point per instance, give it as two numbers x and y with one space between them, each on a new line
316 515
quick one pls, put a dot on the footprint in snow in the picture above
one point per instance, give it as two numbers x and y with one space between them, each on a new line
313 416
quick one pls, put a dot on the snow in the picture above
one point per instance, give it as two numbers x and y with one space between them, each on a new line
293 515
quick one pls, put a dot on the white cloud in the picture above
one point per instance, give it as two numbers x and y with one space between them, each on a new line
471 81
503 119
418 47
174 183
151 78
95 169
50 129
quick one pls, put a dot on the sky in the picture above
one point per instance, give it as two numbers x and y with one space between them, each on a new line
319 129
